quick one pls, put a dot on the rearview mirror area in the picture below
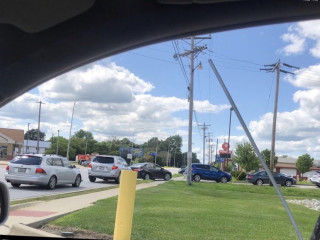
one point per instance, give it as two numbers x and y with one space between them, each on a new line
4 203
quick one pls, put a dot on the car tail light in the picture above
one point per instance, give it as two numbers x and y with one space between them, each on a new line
40 171
7 168
137 169
90 165
249 176
114 167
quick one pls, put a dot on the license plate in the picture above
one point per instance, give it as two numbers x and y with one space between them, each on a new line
101 168
22 169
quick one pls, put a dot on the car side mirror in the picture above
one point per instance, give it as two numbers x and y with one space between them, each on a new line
4 202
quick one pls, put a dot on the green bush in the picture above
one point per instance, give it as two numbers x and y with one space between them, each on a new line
239 175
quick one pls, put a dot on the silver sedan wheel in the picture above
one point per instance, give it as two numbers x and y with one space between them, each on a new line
52 182
77 181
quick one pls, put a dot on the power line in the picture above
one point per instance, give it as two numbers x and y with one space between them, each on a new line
178 57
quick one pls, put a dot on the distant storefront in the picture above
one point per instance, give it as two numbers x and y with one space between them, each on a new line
11 142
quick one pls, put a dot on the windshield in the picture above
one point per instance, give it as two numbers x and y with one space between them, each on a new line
148 105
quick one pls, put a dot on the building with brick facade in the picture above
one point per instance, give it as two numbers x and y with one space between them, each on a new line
11 142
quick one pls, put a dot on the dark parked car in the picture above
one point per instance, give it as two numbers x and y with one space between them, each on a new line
261 177
151 171
182 169
208 172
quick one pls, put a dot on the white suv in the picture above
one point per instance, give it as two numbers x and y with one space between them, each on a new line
106 167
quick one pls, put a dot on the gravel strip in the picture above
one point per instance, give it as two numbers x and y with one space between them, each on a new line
309 203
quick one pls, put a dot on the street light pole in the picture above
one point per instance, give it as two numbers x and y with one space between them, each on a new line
74 104
169 152
58 143
132 143
38 134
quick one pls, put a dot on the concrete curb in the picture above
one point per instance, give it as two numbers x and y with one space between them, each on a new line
19 229
23 205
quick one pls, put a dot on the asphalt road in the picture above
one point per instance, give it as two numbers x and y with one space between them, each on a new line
30 191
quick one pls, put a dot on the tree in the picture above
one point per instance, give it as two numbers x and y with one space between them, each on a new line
266 154
83 134
62 148
246 157
32 134
304 163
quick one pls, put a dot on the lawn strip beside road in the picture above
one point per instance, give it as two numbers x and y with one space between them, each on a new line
65 195
203 211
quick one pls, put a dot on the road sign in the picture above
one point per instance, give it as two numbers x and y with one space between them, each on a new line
219 159
225 146
153 154
225 154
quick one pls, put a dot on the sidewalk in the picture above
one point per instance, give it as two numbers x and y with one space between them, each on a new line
24 218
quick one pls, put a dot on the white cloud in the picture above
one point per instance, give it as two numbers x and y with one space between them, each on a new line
100 83
301 35
119 103
296 44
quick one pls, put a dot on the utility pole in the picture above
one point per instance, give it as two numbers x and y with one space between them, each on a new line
204 128
38 135
275 67
229 134
194 50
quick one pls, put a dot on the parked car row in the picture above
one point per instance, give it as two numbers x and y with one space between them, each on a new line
53 170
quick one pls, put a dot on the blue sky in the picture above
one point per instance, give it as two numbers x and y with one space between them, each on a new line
144 91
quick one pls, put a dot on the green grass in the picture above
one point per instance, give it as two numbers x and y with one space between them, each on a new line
305 182
203 211
177 175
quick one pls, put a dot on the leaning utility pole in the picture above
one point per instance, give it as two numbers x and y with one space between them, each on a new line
204 128
38 135
276 66
193 50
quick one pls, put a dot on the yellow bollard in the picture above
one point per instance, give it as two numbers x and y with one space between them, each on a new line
124 215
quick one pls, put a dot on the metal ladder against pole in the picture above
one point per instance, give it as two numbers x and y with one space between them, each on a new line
244 126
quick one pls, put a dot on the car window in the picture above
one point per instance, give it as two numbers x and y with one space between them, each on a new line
150 165
66 163
157 167
212 168
49 161
27 160
57 162
101 159
123 162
